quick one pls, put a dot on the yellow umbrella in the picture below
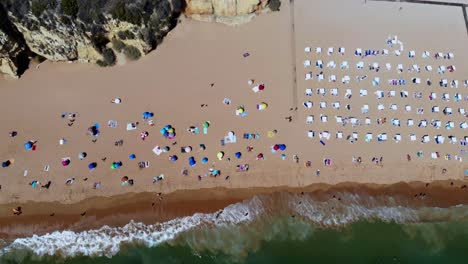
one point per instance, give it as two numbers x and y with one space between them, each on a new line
220 155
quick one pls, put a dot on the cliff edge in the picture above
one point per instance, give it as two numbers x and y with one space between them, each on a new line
95 31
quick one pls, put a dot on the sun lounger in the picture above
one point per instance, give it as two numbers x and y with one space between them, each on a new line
382 137
308 104
319 64
385 52
426 55
450 125
310 134
412 137
447 111
428 68
397 138
307 63
344 65
443 83
407 108
416 80
331 64
380 94
435 109
345 79
310 119
336 105
393 107
411 54
360 65
365 109
410 122
339 119
308 92
433 96
321 91
318 50
369 137
396 122
332 78
388 66
341 50
441 69
324 118
330 50
380 107
307 49
400 68
454 84
323 104
320 77
368 121
425 139
358 52
349 93
423 123
157 150
324 135
308 76
112 123
450 56
363 92
434 155
392 93
334 91
439 139
339 135
463 125
453 139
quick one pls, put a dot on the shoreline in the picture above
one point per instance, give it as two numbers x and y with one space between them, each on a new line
150 208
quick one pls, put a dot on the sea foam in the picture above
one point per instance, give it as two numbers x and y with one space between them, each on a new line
108 241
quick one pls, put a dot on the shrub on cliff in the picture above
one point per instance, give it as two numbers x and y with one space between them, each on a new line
127 34
70 7
125 13
118 45
274 5
39 6
108 58
132 53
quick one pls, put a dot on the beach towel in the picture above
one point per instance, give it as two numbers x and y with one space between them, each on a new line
131 126
112 123
157 150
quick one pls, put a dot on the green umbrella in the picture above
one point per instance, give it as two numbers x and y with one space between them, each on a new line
206 124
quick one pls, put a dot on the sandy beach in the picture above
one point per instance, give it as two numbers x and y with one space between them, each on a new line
202 63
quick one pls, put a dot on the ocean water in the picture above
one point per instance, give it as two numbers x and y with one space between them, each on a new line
281 228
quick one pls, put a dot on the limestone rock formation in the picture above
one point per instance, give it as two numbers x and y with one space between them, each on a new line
225 11
94 30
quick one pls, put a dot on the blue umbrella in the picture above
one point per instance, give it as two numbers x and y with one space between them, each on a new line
28 145
92 165
238 155
173 158
204 160
282 146
132 156
192 161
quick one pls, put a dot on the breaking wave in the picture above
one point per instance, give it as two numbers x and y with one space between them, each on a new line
247 224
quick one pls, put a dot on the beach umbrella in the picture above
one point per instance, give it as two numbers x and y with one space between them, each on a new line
204 160
261 87
6 163
113 166
206 124
173 158
82 155
124 179
166 149
282 146
238 155
276 147
92 165
65 162
188 149
260 156
192 161
220 155
132 156
28 145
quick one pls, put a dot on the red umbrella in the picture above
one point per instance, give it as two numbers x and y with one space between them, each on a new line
65 162
261 87
276 147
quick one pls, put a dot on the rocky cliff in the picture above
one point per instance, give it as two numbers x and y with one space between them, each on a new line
95 30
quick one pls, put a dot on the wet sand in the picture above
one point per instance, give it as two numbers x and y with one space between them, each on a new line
176 79
149 208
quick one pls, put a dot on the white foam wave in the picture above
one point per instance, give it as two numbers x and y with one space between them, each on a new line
107 241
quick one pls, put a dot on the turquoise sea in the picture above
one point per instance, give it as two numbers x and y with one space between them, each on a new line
275 234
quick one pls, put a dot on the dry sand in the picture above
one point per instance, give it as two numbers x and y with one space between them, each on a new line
175 80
